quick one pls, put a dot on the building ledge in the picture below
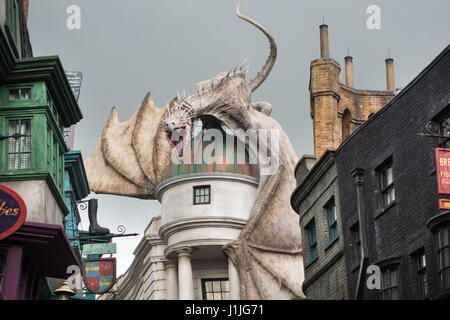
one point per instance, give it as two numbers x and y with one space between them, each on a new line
48 247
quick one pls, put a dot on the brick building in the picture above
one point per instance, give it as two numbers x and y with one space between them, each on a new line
388 193
337 109
316 199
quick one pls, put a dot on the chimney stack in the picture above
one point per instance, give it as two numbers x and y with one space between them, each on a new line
390 82
349 71
324 46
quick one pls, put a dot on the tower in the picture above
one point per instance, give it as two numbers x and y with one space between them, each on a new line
338 109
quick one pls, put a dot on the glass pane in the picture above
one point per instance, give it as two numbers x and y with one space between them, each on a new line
226 296
216 286
393 279
13 161
446 258
389 177
25 127
13 127
26 144
217 296
394 294
445 237
208 286
209 296
225 286
25 161
13 145
14 94
25 93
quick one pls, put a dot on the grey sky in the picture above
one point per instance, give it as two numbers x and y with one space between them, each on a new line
127 48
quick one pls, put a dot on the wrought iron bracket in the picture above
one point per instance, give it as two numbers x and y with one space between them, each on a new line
14 136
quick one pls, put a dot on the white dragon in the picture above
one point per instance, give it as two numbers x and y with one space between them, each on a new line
131 157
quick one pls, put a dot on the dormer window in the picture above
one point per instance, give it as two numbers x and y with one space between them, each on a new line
19 94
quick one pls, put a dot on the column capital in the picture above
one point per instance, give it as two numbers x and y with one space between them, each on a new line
170 263
183 252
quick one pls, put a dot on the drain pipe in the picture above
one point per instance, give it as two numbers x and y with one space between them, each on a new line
358 175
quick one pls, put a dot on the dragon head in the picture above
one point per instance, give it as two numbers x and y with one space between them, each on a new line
226 98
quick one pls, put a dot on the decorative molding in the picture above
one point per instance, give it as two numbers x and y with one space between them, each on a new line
178 225
203 176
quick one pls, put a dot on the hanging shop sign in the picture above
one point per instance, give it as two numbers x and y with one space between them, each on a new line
99 248
13 211
99 275
443 170
444 204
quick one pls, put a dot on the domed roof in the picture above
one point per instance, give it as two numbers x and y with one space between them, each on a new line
204 157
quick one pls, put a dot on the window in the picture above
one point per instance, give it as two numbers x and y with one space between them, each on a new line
387 185
19 94
330 208
444 257
422 280
216 289
346 119
19 150
202 195
3 254
356 244
312 243
389 283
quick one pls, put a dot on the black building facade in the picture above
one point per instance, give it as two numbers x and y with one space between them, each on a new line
389 197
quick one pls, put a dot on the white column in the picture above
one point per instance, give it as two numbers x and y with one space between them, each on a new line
185 282
171 280
233 278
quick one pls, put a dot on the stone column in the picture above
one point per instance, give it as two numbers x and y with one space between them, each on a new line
233 278
185 282
171 280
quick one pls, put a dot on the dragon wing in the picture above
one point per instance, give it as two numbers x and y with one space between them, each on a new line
141 139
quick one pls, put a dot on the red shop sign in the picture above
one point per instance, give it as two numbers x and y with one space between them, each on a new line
443 170
12 211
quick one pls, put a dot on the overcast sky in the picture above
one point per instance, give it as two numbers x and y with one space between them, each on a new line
127 48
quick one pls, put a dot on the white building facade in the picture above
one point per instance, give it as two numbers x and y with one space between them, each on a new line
204 207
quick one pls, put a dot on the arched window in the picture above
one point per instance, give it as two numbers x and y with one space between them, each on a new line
346 118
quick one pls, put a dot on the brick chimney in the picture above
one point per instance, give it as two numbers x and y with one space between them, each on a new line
349 71
324 45
390 82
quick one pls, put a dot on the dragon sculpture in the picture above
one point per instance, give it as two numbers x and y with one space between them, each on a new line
131 157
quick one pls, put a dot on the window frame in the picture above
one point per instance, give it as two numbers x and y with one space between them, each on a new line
385 289
20 89
382 172
205 187
333 233
443 270
6 145
312 241
421 277
222 292
355 237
